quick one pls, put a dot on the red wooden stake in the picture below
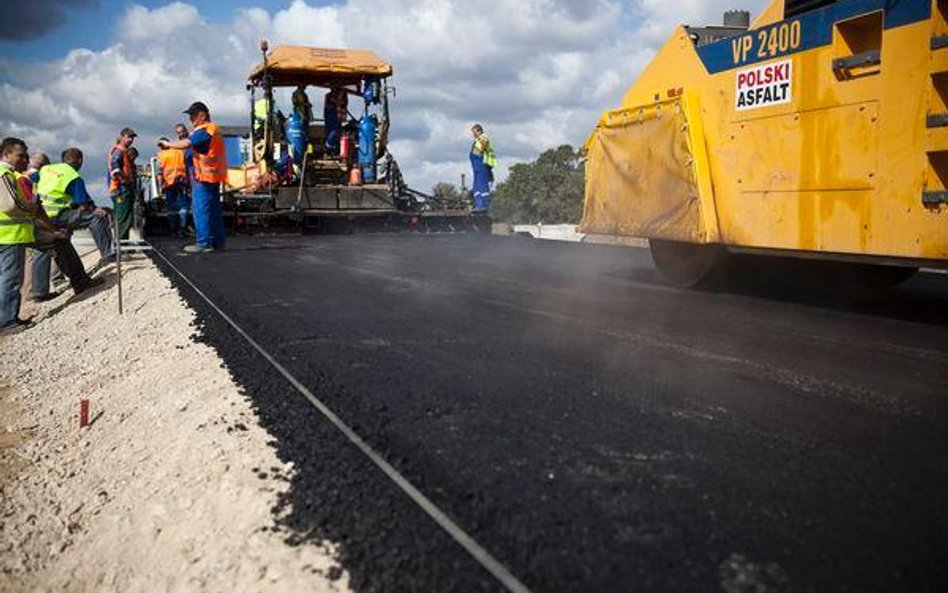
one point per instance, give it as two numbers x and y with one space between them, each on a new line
83 413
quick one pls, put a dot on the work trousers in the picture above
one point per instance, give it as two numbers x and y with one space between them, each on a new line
178 204
71 218
12 263
66 258
123 204
333 127
208 214
481 183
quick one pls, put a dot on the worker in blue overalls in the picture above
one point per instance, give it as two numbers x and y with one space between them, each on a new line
483 162
209 159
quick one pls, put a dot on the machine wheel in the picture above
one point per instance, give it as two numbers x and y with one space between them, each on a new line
687 264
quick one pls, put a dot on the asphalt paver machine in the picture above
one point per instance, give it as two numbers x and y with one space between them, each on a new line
326 158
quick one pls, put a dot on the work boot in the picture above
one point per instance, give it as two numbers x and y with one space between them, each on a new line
13 328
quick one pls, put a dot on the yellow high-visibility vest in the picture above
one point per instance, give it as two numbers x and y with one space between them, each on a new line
261 110
16 227
490 159
53 181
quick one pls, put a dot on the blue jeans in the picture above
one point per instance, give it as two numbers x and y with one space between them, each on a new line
177 203
101 230
12 264
71 218
208 214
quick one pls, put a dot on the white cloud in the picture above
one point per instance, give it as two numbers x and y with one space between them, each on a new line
536 73
301 24
141 24
661 16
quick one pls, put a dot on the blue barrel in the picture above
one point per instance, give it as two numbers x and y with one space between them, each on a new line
296 136
367 129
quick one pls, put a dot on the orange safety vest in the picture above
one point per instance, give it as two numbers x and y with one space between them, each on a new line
128 175
173 169
211 167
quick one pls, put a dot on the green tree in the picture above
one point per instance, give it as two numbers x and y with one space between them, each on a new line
449 196
548 190
446 191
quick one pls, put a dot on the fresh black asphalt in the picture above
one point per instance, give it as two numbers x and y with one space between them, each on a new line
594 429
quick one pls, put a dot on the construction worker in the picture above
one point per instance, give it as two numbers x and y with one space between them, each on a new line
62 193
173 181
335 115
122 181
302 107
23 223
182 131
133 158
210 171
483 162
38 160
16 232
261 112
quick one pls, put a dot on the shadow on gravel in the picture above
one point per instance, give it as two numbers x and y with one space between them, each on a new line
110 279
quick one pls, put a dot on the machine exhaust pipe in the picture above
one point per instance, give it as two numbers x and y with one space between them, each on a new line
739 19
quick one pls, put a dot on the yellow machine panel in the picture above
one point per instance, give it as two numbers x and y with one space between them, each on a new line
821 130
645 151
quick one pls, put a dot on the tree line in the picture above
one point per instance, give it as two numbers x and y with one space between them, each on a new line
548 190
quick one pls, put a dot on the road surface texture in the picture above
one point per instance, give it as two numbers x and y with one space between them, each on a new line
595 430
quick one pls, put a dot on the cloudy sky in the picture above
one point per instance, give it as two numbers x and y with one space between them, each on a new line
536 73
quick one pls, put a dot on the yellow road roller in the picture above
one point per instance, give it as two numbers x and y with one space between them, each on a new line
818 131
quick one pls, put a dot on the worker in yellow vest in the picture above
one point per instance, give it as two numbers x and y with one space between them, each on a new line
16 232
23 223
62 192
483 162
261 113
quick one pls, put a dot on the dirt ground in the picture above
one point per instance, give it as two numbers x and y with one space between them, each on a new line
172 486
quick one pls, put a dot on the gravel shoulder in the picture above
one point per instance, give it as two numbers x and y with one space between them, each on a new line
173 487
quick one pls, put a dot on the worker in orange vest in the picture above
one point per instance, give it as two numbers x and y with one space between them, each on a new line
210 171
173 181
122 181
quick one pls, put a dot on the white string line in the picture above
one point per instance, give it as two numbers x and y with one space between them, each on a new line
481 555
